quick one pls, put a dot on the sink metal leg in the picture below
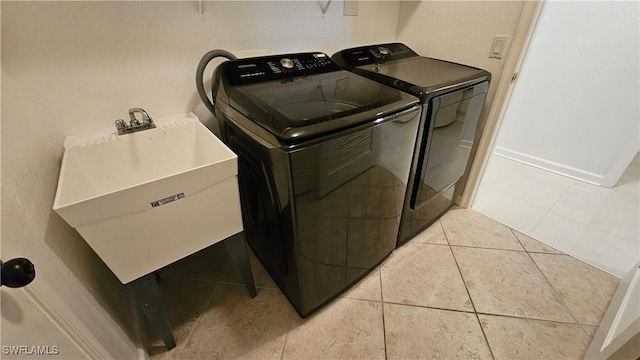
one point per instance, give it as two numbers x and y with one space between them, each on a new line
237 248
147 294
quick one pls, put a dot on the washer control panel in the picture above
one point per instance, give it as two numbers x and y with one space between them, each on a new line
373 54
278 67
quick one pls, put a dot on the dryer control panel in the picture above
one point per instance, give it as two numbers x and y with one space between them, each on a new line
277 67
373 54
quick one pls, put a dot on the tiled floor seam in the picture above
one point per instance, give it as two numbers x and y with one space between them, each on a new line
426 243
195 326
535 252
486 339
558 199
488 248
460 272
588 224
384 327
367 300
444 232
547 212
224 273
536 319
545 276
284 344
556 254
554 289
513 231
590 336
484 335
429 307
475 312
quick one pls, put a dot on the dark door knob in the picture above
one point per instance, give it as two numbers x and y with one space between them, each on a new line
17 272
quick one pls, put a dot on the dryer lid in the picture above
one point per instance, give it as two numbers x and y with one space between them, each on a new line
395 64
426 74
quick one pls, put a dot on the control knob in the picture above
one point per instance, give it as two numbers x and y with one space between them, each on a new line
383 50
286 63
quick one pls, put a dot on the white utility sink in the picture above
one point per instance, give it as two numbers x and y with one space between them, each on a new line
146 199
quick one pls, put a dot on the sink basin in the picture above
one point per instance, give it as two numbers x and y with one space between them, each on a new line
146 199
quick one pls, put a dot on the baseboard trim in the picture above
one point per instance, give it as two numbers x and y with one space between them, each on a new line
143 354
57 310
554 167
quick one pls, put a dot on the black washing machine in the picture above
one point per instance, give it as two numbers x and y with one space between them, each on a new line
452 96
324 157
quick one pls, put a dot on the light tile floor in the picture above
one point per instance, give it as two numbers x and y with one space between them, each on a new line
468 287
598 225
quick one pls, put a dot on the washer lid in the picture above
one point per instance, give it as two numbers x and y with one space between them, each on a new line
309 106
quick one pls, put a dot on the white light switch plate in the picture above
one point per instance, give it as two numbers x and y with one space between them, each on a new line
499 47
350 8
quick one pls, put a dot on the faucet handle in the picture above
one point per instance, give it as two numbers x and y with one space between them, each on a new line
121 124
135 124
145 117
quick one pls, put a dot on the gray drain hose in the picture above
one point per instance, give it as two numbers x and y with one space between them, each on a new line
206 59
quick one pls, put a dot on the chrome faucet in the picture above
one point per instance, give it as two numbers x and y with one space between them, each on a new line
135 124
383 54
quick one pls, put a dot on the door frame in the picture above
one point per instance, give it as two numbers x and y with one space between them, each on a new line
45 300
525 30
618 335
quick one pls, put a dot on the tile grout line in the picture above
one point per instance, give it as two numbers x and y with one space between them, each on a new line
384 327
204 308
486 313
558 199
430 307
553 287
518 239
547 211
536 319
195 326
536 252
487 248
460 272
284 344
585 331
355 299
545 277
559 253
443 232
588 224
573 184
468 294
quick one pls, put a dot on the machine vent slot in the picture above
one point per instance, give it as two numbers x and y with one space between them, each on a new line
344 158
347 149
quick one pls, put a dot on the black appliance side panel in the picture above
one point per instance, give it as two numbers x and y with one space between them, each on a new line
452 121
322 216
348 196
266 209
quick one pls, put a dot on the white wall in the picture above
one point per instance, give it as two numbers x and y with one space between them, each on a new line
575 107
459 31
71 67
